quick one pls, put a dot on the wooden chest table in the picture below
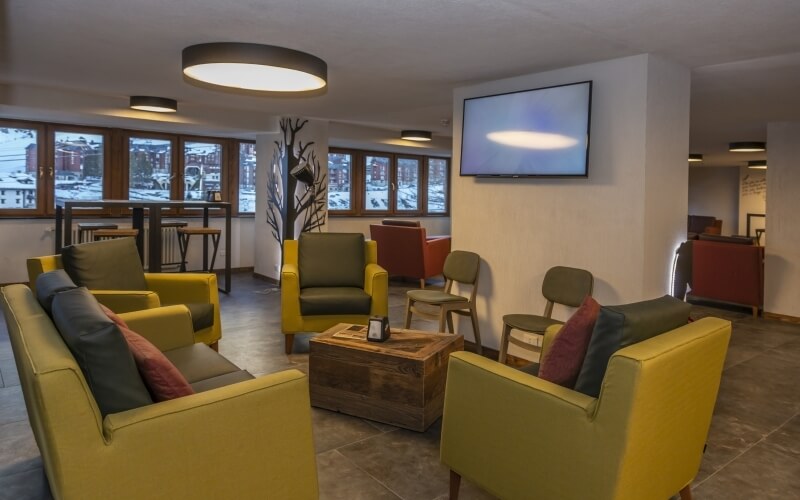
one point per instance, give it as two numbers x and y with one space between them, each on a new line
398 382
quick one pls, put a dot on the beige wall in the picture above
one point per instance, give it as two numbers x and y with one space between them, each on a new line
782 261
622 223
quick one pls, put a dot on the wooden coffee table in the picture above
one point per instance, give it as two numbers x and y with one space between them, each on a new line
398 382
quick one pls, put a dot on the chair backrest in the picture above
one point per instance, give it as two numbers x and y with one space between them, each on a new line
105 265
567 286
331 259
400 222
400 248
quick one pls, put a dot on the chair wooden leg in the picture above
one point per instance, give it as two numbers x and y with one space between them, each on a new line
443 318
409 303
422 282
450 327
686 492
504 343
476 330
214 346
755 311
289 342
455 484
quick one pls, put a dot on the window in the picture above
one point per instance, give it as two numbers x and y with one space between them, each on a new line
202 169
386 184
247 177
19 167
78 166
340 168
149 169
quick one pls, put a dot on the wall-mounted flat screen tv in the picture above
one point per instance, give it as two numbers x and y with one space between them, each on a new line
531 133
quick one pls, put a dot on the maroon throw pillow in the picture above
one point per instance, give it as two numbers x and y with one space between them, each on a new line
160 376
562 363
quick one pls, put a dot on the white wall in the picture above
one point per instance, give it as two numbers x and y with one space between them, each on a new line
606 223
782 261
752 199
714 191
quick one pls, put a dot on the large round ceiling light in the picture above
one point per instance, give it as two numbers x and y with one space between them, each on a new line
254 67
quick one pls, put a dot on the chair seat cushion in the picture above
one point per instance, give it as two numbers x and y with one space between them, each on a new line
221 381
199 362
334 300
434 297
202 315
529 322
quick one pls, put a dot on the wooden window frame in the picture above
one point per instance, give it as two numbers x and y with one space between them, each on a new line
233 191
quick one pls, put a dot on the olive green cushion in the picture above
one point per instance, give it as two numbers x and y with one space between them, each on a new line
621 326
334 300
105 265
202 314
100 350
331 259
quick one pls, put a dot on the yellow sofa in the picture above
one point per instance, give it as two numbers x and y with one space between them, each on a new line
251 439
376 285
518 436
163 289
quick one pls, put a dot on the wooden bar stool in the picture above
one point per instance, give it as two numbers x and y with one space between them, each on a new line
90 227
183 240
107 234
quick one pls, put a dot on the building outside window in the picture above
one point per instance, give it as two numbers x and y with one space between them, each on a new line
149 169
247 177
78 166
19 167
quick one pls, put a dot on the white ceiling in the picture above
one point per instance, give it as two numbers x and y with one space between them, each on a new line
393 63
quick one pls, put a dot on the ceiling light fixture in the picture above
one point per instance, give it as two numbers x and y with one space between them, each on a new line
251 67
757 164
155 104
695 157
415 135
747 147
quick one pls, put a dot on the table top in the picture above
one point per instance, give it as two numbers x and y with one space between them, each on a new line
411 344
146 203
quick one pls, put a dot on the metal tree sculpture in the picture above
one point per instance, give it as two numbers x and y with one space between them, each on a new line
284 205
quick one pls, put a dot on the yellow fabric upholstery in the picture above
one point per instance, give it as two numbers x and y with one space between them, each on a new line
163 289
247 440
376 285
642 438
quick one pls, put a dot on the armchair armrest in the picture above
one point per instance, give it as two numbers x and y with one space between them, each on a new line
525 413
167 327
184 288
122 301
253 436
291 319
376 285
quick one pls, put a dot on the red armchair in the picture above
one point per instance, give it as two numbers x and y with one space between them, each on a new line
729 272
406 251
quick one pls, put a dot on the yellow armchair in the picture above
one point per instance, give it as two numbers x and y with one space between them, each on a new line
642 438
163 289
375 285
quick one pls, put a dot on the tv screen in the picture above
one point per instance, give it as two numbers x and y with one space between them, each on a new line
540 132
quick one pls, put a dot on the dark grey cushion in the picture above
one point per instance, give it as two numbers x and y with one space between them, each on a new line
202 315
199 362
334 300
49 284
105 265
221 380
331 259
100 350
621 326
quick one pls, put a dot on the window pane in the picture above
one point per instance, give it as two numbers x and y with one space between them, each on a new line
201 169
78 166
247 177
407 184
377 183
339 168
150 169
437 185
18 167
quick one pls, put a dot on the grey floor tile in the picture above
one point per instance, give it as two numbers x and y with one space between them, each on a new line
341 479
18 450
12 405
333 430
29 484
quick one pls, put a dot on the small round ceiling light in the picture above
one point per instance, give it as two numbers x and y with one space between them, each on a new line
254 68
416 135
695 157
747 147
757 164
155 104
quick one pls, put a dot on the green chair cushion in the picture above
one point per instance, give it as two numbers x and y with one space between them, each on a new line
331 259
49 284
105 265
621 326
434 297
334 300
202 315
100 350
529 322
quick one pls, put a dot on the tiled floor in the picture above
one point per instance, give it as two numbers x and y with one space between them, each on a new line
753 448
